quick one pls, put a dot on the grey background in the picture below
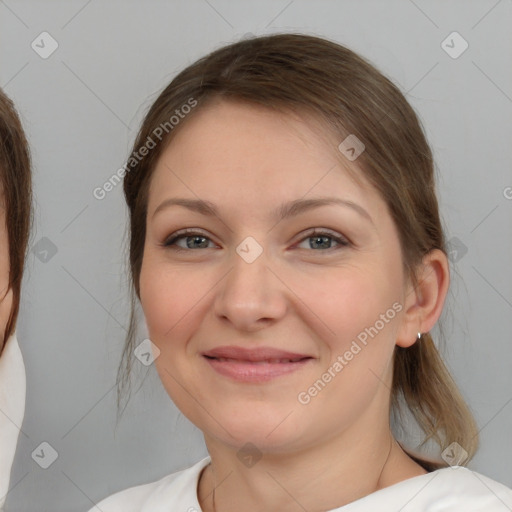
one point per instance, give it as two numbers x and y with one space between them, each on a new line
81 108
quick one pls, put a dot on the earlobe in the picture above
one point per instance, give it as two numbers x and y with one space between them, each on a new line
424 301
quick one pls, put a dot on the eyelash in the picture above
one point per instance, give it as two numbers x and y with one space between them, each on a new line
170 242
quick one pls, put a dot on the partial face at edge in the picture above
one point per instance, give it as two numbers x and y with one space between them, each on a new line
306 293
6 298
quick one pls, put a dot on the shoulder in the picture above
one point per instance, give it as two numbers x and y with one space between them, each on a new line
178 490
471 489
450 489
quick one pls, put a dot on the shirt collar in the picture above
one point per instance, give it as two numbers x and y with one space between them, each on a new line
12 408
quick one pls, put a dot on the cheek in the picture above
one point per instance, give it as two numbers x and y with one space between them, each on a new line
351 301
171 298
163 297
361 312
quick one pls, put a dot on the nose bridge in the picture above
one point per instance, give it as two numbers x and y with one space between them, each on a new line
250 292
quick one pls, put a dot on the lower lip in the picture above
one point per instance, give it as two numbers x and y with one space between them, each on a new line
245 371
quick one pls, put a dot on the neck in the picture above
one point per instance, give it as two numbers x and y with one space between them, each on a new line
313 480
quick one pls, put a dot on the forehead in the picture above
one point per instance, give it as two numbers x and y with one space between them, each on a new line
256 156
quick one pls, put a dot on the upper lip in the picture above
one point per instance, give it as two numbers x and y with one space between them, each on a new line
253 354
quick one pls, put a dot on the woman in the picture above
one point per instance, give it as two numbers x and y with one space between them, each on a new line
15 213
288 254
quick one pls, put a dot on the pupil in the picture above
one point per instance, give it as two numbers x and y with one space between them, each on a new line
325 242
195 239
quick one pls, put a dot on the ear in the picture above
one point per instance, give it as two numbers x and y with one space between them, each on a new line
423 302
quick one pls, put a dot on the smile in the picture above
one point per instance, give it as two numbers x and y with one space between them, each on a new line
265 361
255 364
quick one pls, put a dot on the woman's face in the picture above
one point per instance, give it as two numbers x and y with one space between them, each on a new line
234 304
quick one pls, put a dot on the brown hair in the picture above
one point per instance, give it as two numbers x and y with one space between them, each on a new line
316 76
16 184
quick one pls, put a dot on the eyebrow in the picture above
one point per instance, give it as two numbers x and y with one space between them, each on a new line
284 211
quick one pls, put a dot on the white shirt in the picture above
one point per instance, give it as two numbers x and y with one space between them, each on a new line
449 489
12 408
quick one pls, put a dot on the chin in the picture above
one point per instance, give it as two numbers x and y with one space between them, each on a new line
269 434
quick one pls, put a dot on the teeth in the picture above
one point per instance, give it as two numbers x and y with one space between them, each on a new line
268 361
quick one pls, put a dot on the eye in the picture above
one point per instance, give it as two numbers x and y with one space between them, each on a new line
322 239
192 239
319 239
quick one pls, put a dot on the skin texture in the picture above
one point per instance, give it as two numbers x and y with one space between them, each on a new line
248 161
6 298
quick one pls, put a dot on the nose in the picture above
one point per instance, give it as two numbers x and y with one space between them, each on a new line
251 296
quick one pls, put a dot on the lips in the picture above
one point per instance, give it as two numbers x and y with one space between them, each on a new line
257 365
255 355
264 361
